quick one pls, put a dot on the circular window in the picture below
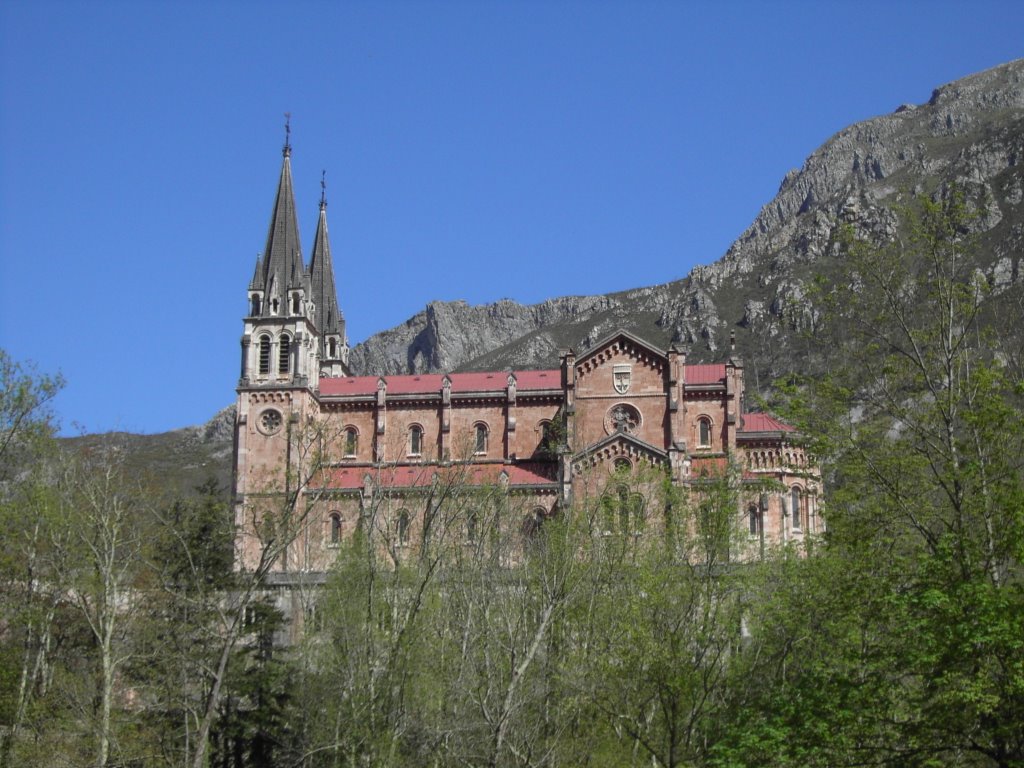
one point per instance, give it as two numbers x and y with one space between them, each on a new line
270 421
622 417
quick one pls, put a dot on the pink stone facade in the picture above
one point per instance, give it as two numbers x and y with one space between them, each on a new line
542 440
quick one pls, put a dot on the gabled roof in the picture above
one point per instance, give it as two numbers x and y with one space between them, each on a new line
626 439
328 319
621 334
281 266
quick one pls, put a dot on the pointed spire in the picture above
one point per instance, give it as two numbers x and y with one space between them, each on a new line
328 318
281 267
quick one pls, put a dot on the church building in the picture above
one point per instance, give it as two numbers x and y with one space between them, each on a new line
334 446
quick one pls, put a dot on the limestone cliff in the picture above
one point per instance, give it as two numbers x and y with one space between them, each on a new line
971 132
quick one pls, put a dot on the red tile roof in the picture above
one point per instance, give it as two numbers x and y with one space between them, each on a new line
414 385
762 422
485 381
531 473
705 374
539 379
352 385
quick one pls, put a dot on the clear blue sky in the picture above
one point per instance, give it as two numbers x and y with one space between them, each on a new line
474 150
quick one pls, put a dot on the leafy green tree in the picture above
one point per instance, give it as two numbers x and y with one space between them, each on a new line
27 425
662 619
30 592
917 653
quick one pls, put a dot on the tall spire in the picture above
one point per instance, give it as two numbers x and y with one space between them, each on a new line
282 267
329 321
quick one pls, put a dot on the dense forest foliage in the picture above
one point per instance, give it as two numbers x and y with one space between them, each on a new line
897 638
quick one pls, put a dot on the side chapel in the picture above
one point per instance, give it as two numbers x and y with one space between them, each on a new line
545 437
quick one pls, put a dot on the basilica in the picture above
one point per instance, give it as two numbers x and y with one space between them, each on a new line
337 446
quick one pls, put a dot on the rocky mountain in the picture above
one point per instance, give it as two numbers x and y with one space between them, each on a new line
970 133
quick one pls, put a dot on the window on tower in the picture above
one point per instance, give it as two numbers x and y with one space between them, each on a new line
284 355
265 353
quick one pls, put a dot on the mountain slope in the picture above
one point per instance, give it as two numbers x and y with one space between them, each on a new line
971 132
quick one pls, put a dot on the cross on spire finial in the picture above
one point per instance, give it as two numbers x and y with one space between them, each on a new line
287 134
323 190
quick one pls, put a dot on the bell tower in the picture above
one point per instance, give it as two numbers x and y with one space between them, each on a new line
280 345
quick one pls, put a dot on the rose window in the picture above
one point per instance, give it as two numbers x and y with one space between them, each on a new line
622 418
270 421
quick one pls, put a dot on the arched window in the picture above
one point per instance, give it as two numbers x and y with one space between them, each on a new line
351 441
255 304
284 357
335 528
265 353
704 433
794 504
754 519
480 438
415 440
332 348
403 528
548 441
295 303
533 522
622 511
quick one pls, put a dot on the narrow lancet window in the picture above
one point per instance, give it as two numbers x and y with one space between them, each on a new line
704 438
403 528
264 353
284 355
415 440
